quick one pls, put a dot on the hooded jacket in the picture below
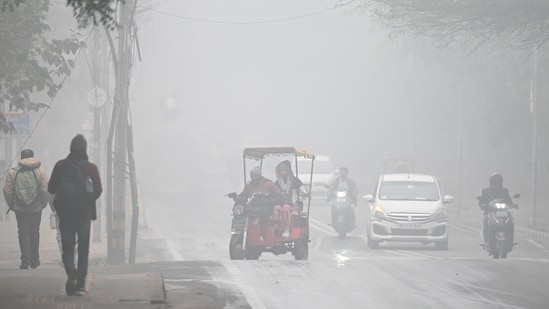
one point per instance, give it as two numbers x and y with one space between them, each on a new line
41 176
88 169
289 186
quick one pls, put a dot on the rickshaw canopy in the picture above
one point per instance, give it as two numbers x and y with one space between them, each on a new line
259 153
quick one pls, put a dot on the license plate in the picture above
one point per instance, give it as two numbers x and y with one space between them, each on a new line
409 225
501 213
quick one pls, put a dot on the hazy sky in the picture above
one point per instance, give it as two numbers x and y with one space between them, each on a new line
216 76
247 72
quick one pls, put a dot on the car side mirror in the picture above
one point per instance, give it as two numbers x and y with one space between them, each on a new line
448 199
368 198
516 195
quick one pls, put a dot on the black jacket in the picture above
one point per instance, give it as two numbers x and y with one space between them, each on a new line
89 169
491 193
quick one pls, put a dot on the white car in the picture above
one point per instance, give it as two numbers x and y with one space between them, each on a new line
408 208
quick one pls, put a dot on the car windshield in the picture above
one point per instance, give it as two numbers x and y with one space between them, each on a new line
407 190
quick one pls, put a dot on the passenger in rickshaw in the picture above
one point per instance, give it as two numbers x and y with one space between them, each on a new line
263 207
289 185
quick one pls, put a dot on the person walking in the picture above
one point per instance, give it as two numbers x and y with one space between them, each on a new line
25 192
76 184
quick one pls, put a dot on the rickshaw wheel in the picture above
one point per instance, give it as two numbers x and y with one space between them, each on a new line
252 253
235 248
301 248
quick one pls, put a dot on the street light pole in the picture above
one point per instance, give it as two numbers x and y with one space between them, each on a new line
534 159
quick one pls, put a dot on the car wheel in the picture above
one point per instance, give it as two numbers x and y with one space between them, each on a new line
372 244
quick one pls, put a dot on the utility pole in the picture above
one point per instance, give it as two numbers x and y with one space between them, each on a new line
117 158
534 159
460 150
97 98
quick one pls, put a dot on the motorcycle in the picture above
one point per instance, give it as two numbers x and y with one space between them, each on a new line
342 213
498 239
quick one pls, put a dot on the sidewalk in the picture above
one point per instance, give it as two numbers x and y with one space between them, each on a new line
44 287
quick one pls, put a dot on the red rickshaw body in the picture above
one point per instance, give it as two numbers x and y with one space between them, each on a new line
251 236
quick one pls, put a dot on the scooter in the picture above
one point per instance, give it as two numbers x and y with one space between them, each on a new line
498 239
343 220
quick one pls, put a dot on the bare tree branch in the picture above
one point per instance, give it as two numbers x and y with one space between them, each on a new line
514 24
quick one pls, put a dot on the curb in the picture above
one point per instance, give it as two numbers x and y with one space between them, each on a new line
530 233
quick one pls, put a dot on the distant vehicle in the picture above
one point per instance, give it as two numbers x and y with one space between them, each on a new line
398 166
323 172
408 208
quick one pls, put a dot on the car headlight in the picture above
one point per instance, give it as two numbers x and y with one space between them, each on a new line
439 214
341 193
379 212
238 209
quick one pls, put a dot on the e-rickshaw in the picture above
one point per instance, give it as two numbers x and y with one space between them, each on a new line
249 239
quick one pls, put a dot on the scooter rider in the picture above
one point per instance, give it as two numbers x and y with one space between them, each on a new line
495 190
344 183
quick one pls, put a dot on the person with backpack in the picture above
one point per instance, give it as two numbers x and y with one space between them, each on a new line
25 192
76 184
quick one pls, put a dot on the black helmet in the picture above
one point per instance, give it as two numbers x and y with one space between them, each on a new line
496 180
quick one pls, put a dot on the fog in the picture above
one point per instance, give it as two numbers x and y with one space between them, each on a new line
218 76
211 78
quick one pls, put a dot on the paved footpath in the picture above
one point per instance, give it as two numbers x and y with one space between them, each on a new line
124 286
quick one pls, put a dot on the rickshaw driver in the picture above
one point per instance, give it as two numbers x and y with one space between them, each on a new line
262 185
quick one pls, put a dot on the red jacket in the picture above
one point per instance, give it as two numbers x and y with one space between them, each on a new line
264 186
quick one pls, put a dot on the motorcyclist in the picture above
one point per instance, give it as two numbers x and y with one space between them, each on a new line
344 183
495 190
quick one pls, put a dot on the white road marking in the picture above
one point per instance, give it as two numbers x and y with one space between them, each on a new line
171 248
169 243
321 227
243 285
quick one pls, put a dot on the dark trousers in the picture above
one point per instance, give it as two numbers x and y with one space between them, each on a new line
73 230
28 228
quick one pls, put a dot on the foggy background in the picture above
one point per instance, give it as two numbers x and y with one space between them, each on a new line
217 76
246 73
